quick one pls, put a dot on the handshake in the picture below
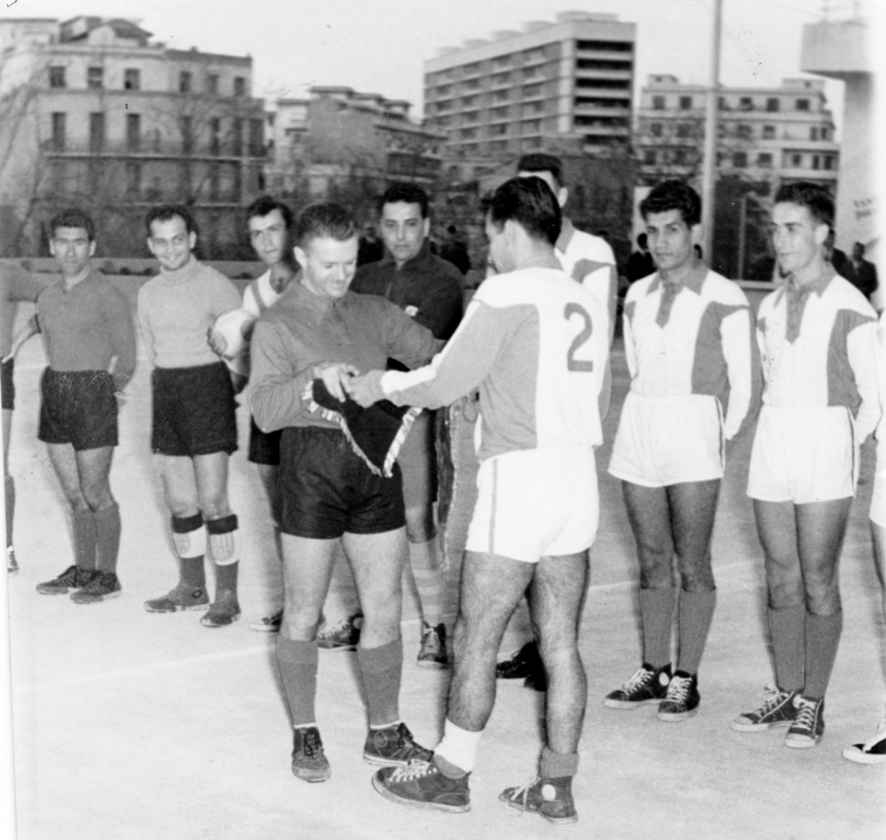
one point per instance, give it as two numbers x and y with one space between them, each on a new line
344 381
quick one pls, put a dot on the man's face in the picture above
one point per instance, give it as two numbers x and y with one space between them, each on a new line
499 248
796 236
670 240
268 236
171 243
548 177
327 265
72 249
403 230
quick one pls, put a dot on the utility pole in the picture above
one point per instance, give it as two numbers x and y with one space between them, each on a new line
710 134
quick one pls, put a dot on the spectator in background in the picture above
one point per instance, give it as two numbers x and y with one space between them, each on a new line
865 272
455 251
370 248
640 263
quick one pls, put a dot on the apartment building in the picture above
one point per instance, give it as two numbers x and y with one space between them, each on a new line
765 134
523 90
94 113
339 136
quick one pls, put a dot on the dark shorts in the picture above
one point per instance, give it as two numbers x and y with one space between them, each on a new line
78 407
327 490
193 410
7 385
418 462
264 447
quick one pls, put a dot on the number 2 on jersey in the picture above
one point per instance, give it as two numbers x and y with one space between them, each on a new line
573 362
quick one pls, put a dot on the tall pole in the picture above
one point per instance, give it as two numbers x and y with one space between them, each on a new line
710 134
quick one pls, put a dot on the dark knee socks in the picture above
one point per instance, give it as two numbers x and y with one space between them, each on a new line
83 524
694 622
107 534
787 628
822 639
381 668
657 613
297 662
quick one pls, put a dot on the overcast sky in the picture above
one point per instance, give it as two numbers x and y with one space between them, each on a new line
380 45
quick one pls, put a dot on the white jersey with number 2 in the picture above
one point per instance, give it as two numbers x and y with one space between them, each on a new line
535 344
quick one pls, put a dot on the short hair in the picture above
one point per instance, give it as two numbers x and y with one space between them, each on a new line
673 194
266 204
408 194
642 240
72 217
542 162
816 199
324 219
166 213
530 203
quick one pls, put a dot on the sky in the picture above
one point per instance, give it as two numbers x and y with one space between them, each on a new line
380 45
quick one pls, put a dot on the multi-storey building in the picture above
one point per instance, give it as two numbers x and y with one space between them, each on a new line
520 91
765 135
339 137
92 112
844 50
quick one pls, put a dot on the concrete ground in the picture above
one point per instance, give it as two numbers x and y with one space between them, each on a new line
130 725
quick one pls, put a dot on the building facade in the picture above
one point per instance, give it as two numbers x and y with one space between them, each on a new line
521 91
339 140
93 113
765 135
842 50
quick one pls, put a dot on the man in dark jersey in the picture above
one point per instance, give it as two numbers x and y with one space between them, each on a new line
428 289
90 346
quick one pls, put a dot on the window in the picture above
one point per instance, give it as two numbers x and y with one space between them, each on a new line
764 159
256 138
658 103
743 131
237 132
768 132
468 133
184 81
828 162
679 156
132 79
239 86
57 77
683 130
59 120
96 131
813 132
95 78
649 157
133 179
212 83
746 103
531 90
133 132
187 131
530 126
685 103
796 161
802 105
739 160
655 129
825 133
772 103
214 139
498 130
214 181
467 101
816 162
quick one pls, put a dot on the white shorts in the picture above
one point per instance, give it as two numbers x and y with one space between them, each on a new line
668 440
878 496
535 503
803 454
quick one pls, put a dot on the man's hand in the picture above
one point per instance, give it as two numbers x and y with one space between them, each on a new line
335 376
366 390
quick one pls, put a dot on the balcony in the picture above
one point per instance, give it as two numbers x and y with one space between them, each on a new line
149 148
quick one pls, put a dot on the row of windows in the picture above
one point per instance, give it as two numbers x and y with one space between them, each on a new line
500 130
743 131
136 141
746 103
132 80
740 159
498 146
